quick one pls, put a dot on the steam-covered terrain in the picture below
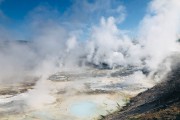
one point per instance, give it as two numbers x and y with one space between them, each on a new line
69 95
161 102
80 64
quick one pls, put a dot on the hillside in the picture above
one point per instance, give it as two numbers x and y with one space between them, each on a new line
162 102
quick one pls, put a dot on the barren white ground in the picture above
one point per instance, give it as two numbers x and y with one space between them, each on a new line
72 95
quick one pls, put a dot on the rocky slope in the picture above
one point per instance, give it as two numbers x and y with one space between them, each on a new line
162 102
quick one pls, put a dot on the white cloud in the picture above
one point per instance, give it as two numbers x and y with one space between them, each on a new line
87 13
159 30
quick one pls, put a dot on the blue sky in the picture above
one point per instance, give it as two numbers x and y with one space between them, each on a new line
136 10
18 9
15 13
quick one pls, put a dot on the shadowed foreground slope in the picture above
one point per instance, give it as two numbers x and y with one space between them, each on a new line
162 102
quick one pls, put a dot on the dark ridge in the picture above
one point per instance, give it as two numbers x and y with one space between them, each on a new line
15 41
178 40
162 102
8 43
100 66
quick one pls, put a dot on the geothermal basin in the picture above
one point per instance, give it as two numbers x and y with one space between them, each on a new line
71 95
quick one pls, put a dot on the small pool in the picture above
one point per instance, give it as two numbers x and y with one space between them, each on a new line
83 109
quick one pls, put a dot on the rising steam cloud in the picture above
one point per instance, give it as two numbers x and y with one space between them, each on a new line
57 43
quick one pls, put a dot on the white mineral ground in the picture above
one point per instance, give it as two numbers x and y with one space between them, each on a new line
70 95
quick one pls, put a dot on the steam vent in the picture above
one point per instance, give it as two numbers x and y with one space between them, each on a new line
89 60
